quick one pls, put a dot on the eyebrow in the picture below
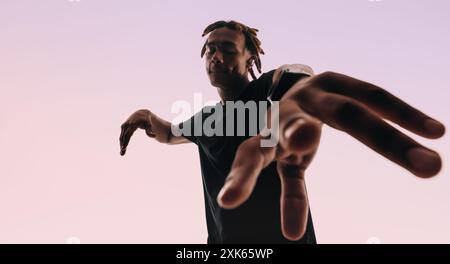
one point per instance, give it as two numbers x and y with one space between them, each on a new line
221 43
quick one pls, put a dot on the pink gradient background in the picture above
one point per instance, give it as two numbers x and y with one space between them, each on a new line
72 72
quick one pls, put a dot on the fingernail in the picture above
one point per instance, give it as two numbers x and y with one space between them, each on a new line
434 127
426 163
224 194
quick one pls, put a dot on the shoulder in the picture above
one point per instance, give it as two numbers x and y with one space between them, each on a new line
275 74
258 88
266 77
291 68
285 77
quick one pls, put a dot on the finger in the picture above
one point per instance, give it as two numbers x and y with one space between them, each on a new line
126 138
386 104
299 132
249 161
352 117
122 142
122 129
293 202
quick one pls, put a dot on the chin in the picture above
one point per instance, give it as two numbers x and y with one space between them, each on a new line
217 82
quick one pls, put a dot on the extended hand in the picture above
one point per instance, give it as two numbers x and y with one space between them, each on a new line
350 105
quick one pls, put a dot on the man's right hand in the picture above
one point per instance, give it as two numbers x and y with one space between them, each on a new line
154 127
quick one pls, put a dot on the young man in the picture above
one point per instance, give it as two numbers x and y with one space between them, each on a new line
257 194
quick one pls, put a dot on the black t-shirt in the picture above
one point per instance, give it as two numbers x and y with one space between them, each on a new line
258 219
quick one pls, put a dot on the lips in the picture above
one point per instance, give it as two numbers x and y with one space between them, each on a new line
218 70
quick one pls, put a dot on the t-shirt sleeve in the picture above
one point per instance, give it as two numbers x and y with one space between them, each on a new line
187 127
289 75
192 129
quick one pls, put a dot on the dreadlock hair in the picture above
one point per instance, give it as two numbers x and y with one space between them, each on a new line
252 43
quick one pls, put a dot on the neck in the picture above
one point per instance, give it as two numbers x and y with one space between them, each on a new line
232 92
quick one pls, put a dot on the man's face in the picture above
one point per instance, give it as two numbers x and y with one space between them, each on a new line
226 58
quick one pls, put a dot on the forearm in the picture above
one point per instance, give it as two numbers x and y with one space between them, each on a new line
163 132
174 140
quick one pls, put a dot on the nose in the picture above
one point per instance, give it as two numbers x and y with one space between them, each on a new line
217 57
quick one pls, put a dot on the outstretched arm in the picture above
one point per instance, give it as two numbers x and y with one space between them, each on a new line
356 107
154 126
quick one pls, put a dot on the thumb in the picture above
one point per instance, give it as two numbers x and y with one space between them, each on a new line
301 135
